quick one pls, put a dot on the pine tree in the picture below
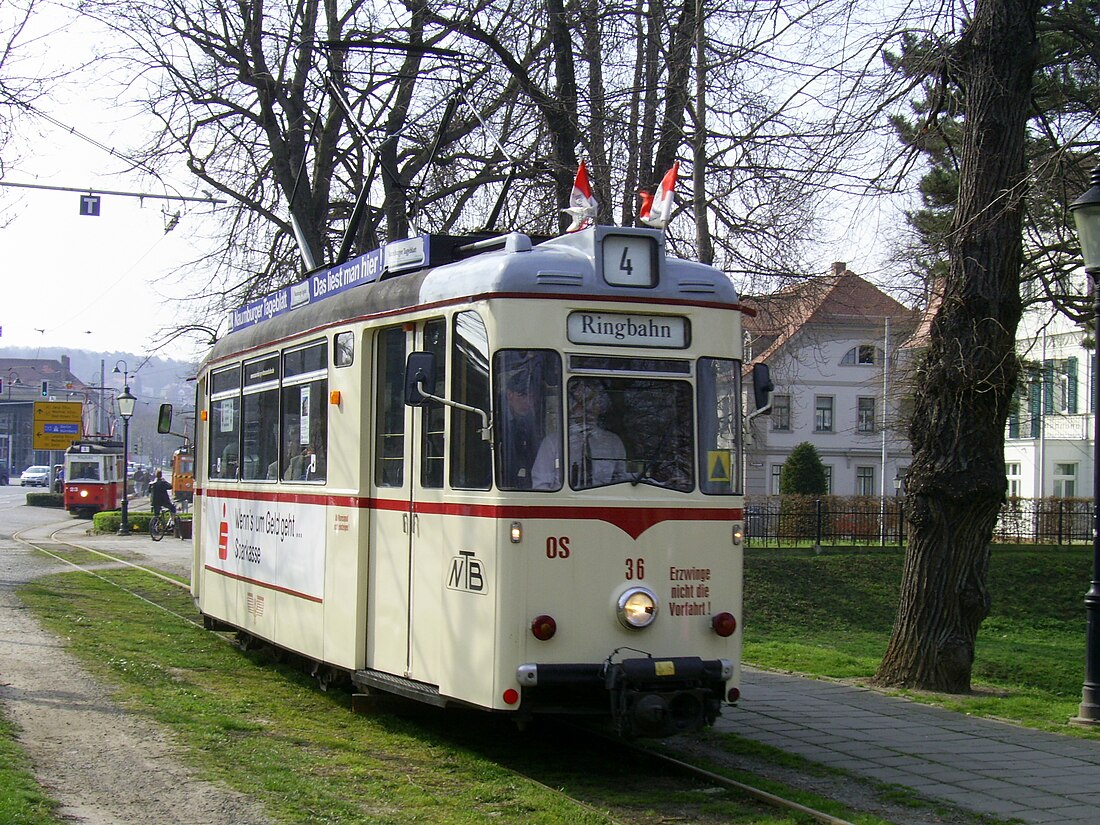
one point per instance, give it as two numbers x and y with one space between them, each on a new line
803 473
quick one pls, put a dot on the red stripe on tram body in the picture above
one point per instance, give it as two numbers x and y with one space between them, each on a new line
634 521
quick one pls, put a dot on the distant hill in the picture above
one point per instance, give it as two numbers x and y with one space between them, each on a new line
157 377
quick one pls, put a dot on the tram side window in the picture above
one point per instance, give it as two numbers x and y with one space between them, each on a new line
434 414
260 417
389 452
471 455
527 414
304 415
344 352
719 381
225 423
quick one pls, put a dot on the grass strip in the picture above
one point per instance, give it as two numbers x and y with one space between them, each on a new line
21 799
264 729
831 616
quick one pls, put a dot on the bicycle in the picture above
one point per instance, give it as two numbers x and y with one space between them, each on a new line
162 523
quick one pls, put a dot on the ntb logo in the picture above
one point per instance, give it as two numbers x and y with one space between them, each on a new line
467 573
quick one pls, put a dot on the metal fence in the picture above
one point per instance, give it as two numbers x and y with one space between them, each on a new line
832 520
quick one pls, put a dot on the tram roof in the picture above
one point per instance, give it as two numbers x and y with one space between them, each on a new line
94 447
438 269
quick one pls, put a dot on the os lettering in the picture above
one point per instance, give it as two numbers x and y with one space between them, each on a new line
557 547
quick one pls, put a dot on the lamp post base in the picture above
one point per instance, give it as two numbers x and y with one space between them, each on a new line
1089 712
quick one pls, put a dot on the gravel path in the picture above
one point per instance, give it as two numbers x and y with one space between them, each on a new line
104 765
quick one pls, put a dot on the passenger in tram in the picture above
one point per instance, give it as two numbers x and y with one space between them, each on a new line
308 465
227 464
597 456
519 437
301 464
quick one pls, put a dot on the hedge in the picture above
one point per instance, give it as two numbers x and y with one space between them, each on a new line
108 521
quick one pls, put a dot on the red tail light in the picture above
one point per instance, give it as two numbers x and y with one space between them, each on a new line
544 627
724 624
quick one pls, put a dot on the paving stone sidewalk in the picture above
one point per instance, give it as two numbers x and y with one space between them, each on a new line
979 765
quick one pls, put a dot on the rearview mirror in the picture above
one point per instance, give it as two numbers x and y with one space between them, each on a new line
164 419
762 386
419 375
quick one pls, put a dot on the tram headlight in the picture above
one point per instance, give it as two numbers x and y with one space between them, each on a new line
83 493
637 608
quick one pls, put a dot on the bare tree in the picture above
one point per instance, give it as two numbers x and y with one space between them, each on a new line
965 381
250 99
17 92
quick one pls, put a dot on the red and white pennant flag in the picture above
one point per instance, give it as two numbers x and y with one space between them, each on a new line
657 210
582 204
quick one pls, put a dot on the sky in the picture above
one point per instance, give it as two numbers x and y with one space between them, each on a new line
105 283
98 283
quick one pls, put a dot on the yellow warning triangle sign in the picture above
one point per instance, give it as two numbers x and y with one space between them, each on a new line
718 465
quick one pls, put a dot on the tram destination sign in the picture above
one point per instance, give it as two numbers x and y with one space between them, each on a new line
57 424
365 269
622 330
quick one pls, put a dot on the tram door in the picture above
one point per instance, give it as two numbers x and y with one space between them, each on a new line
405 534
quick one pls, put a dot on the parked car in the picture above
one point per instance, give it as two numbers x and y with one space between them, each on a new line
37 475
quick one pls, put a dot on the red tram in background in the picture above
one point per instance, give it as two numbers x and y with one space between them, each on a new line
183 474
95 474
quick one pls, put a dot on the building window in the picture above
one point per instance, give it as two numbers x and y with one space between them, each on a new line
828 479
1012 471
823 413
863 355
865 415
1065 480
777 471
865 481
781 413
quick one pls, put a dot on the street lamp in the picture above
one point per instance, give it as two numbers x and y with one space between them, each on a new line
1086 214
13 379
126 403
899 480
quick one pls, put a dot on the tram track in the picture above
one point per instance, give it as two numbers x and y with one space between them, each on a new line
675 765
44 545
39 545
55 546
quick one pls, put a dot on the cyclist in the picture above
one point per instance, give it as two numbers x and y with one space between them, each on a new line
159 495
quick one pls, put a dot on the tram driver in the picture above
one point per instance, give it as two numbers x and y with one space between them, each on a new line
597 456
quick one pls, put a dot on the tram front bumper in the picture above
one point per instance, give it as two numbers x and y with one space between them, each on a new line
648 696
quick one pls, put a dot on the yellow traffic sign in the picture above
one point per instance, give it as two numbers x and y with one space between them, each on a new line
719 465
57 424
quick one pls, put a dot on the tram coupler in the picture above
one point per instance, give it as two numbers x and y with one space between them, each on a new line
663 697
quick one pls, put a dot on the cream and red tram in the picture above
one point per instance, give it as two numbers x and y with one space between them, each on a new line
95 474
501 474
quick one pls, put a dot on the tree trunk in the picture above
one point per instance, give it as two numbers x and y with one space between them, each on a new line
967 376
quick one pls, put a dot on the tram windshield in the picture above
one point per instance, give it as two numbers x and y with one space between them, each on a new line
83 471
629 429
